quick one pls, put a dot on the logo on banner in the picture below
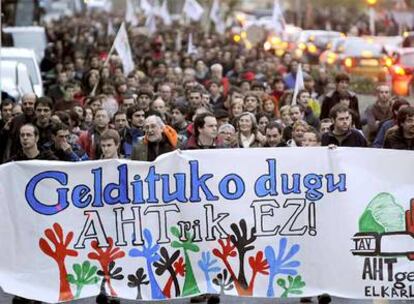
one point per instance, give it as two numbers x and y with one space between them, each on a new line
386 240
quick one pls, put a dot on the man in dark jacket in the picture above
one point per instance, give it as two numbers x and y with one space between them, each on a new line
332 98
402 137
341 133
29 136
28 116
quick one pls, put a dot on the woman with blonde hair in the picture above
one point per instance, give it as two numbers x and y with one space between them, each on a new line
247 133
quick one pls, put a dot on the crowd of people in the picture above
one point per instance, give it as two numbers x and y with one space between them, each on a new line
223 95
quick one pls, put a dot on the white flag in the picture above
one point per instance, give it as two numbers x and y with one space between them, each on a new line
108 6
121 44
78 5
216 17
165 14
151 24
191 49
130 14
146 7
299 84
110 29
193 10
278 20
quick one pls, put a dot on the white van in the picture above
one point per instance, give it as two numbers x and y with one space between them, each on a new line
27 57
15 79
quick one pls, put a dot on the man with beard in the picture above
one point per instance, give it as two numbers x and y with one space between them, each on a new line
43 113
342 134
401 137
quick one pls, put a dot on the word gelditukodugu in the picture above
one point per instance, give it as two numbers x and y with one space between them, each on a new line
142 190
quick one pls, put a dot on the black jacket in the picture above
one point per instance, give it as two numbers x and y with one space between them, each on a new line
352 139
394 139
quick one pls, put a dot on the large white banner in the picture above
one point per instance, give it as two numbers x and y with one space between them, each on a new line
250 222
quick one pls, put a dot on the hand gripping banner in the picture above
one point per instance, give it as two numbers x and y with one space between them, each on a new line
245 222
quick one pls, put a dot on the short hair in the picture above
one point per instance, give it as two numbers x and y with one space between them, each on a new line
216 66
181 107
58 127
111 134
145 92
300 123
285 108
258 84
326 120
101 109
338 108
44 101
278 78
274 125
226 126
195 90
299 106
221 113
135 108
71 84
211 82
199 122
6 102
403 113
119 112
234 89
301 92
36 130
398 103
316 132
342 77
252 94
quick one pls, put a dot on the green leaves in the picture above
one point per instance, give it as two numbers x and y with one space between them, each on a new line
187 244
85 274
294 286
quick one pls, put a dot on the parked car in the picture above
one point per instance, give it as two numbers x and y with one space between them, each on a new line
28 58
402 71
15 79
358 56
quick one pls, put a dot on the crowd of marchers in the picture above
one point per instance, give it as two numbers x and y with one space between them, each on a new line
222 95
